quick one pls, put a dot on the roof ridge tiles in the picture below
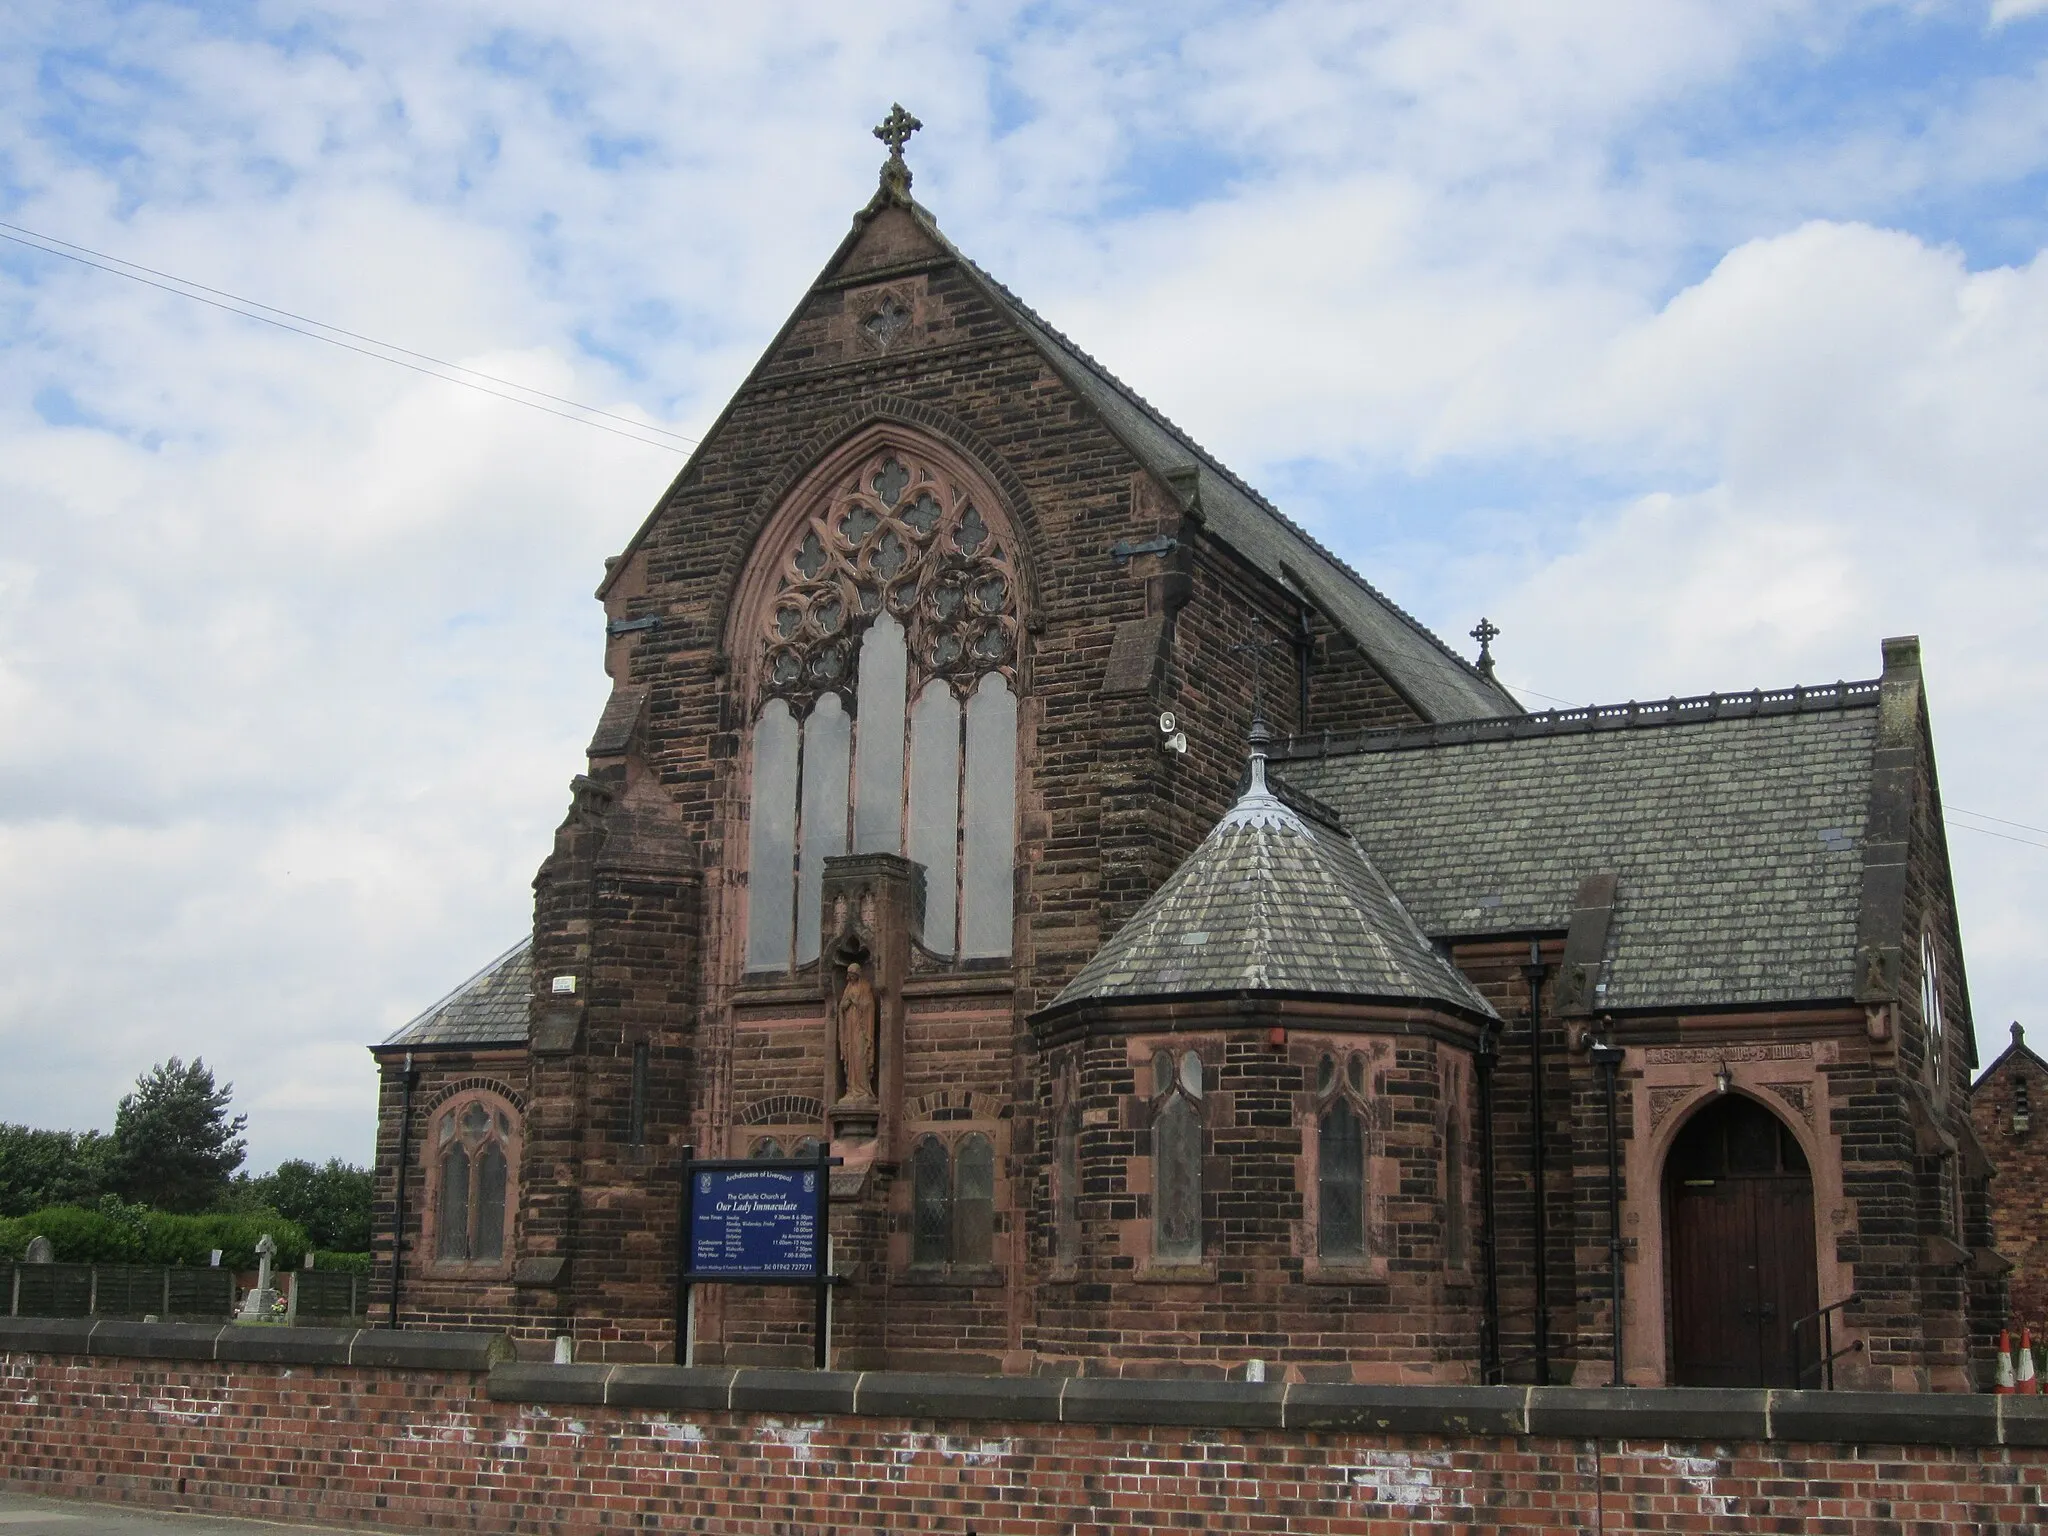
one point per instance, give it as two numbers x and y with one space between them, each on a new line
1694 709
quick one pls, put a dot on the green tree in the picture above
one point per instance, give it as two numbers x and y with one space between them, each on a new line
332 1202
40 1168
174 1143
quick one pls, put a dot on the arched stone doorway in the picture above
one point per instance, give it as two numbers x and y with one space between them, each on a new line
1738 1204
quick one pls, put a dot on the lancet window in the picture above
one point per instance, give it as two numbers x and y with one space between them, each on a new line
1930 1006
1340 1158
885 680
1177 1089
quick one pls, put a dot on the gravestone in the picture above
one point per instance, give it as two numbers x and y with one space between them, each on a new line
257 1306
40 1251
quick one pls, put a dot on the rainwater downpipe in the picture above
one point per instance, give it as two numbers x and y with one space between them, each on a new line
1489 1335
407 1083
1535 971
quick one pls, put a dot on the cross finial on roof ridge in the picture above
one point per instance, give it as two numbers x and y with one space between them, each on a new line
895 131
1486 632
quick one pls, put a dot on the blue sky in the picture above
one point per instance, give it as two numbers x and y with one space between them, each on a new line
1701 345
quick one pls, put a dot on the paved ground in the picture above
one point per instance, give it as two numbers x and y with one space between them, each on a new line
23 1515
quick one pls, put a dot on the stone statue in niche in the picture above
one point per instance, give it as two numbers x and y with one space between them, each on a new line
857 1013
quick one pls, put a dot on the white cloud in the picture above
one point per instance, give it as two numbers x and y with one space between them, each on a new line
297 651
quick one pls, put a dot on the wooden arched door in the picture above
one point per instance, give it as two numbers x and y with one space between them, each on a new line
1738 1202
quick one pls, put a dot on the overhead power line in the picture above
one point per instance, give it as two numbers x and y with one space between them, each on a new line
2025 842
1987 816
268 314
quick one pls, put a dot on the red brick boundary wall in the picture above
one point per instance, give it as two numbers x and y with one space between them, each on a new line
424 1430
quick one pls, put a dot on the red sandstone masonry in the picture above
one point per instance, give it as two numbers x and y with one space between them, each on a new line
358 1446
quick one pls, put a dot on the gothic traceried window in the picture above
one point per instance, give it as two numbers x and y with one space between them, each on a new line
475 1157
885 687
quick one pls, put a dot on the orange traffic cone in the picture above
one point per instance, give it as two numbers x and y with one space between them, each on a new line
2026 1382
2005 1380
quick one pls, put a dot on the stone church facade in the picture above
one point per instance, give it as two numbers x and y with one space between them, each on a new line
1154 1046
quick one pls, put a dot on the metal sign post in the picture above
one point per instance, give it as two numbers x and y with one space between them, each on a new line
756 1221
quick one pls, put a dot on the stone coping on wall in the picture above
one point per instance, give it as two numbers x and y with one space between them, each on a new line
253 1344
1580 1413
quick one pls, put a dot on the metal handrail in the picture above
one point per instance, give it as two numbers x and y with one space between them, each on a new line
1824 1367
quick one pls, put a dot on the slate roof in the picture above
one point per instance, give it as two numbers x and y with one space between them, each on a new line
1441 684
488 1009
1733 823
1272 903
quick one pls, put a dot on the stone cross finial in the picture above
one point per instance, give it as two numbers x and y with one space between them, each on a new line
895 131
1486 632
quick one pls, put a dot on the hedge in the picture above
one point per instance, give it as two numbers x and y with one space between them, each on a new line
136 1235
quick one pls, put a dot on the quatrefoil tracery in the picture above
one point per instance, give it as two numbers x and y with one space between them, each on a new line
901 537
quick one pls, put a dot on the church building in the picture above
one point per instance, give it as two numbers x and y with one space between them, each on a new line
1188 959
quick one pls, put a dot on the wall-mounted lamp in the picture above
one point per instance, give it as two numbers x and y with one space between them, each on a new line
1722 1078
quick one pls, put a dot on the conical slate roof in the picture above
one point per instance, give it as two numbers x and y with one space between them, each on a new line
1273 903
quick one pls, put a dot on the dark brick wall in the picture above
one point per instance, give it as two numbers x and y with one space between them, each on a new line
1498 968
2019 1190
1260 1289
428 1299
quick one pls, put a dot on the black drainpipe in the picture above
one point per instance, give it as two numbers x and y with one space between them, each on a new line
408 1081
1535 971
1489 1326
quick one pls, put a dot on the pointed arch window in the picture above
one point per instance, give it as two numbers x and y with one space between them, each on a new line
1177 1088
1340 1159
472 1181
885 675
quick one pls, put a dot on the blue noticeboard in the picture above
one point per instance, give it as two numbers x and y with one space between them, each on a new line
757 1221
